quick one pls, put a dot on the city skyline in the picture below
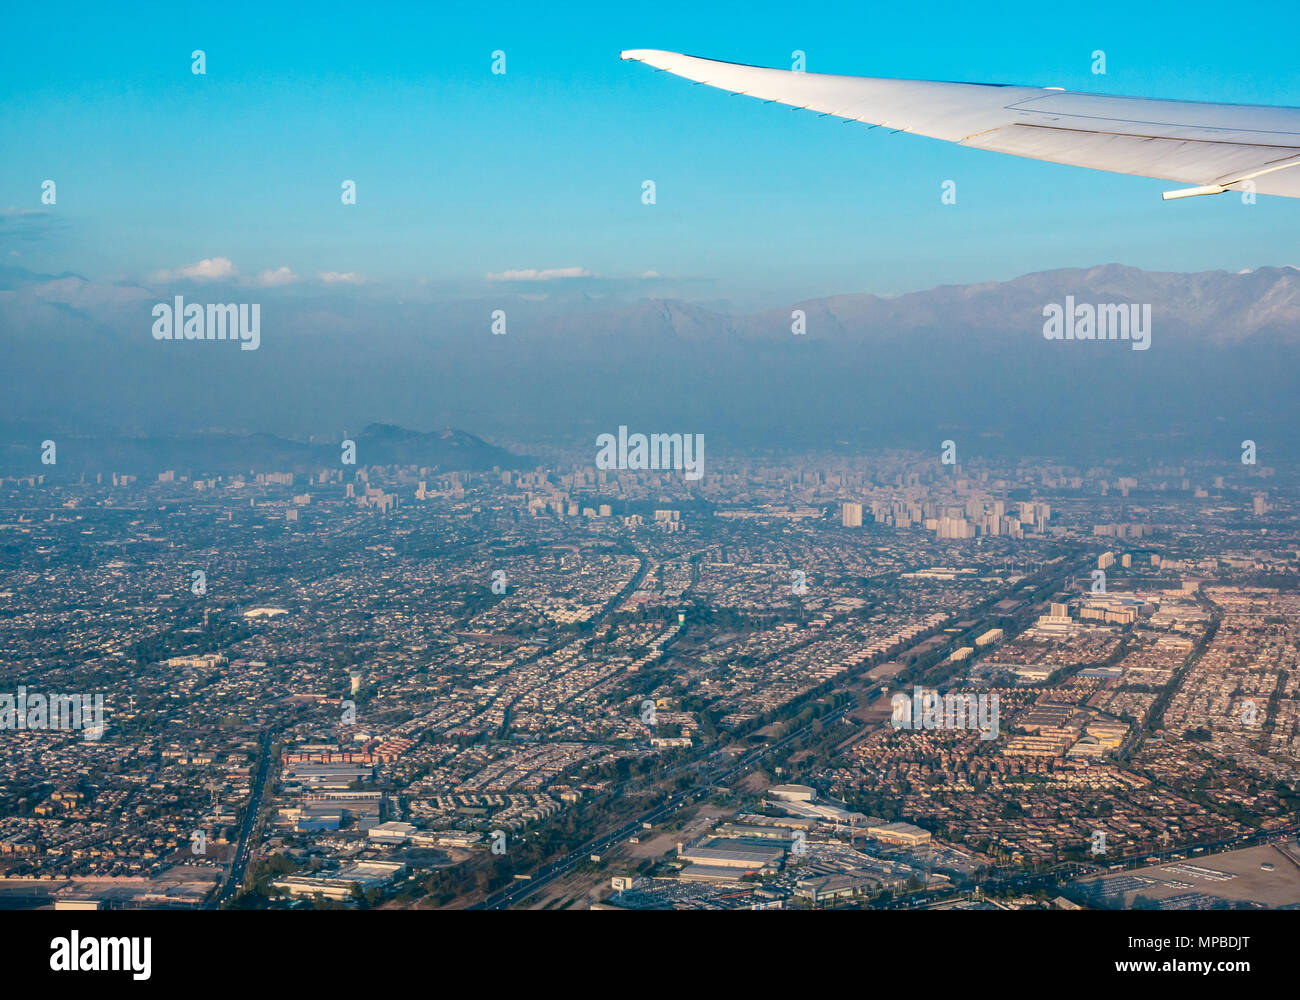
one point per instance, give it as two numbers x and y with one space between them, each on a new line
558 620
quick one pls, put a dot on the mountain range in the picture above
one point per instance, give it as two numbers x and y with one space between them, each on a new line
224 453
958 361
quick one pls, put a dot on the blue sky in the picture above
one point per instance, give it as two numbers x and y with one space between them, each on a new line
461 174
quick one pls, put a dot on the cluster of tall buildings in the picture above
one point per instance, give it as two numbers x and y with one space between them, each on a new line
974 517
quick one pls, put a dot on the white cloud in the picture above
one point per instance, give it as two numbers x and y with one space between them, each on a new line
548 274
279 276
209 269
341 278
82 294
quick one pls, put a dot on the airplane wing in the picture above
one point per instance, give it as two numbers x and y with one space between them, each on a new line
1214 147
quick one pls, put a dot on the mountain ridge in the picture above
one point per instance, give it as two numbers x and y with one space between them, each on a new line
224 453
1225 349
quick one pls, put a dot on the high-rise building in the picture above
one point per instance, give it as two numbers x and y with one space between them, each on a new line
851 515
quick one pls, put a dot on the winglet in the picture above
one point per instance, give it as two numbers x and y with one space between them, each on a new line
1193 192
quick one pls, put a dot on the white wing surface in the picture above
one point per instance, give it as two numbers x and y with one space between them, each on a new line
1214 147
